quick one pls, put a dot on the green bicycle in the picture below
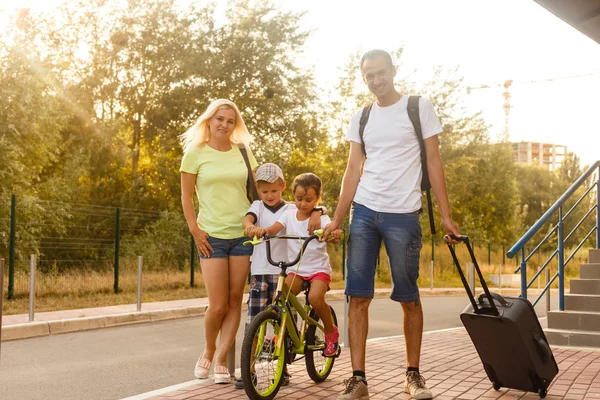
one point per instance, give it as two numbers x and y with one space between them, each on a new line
273 338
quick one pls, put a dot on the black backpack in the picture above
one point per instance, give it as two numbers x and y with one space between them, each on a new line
413 114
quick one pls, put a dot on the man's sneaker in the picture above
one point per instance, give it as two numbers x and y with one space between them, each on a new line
415 385
356 389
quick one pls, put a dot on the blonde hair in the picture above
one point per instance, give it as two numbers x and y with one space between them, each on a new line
199 133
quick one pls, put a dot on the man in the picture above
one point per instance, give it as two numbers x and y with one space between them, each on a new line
385 194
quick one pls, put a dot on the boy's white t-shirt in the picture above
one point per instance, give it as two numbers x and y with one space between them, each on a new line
266 216
391 177
315 258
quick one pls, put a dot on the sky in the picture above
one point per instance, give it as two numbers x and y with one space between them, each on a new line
490 41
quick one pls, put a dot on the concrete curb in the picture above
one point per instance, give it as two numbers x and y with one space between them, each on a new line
45 328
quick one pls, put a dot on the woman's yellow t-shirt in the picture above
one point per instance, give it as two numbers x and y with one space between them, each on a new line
221 178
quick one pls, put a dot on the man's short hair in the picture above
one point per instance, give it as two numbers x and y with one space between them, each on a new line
372 54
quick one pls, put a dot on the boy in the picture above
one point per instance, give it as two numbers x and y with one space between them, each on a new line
264 213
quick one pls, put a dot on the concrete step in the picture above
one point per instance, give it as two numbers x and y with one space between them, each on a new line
582 302
589 271
558 337
594 255
574 320
585 286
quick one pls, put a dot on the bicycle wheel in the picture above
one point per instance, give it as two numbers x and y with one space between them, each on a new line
262 364
318 366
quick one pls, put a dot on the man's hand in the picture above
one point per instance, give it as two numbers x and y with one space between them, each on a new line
334 237
451 229
330 228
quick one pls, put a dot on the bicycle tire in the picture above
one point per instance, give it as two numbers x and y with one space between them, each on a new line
259 385
311 357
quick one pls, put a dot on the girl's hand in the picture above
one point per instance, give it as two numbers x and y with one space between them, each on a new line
201 240
314 222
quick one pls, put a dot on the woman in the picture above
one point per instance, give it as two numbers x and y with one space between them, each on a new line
214 168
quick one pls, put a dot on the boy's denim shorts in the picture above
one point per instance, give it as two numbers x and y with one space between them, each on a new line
225 248
401 234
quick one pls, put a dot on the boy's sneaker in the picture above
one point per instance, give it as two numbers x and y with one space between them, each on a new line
356 389
239 383
415 386
331 342
285 379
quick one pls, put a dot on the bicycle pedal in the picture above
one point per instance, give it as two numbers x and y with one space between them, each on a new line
336 355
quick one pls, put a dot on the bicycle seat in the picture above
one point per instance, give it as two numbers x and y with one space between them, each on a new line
305 286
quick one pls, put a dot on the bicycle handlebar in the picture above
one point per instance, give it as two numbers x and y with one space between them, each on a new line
288 263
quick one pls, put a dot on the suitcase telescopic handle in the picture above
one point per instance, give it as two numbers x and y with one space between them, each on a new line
476 308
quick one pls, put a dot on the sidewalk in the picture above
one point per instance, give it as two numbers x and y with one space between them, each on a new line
449 363
54 322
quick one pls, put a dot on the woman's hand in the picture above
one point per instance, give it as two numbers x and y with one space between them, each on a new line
201 240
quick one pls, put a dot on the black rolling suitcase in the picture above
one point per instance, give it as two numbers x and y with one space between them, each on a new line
508 337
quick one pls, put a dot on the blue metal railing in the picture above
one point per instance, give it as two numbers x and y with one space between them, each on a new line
559 230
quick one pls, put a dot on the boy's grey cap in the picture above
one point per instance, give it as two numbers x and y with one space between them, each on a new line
269 172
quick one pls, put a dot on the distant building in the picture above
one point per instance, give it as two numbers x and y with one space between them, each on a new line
546 155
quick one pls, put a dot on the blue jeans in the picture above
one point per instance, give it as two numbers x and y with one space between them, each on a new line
224 248
401 234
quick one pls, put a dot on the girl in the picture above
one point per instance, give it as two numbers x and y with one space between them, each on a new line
314 264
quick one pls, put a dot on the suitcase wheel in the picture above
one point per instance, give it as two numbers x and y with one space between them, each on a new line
542 393
496 386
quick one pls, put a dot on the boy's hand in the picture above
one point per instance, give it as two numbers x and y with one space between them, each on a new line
252 230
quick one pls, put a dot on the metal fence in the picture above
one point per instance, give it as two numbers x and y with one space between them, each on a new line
83 249
88 248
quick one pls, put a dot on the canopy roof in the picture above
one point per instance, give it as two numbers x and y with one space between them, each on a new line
583 15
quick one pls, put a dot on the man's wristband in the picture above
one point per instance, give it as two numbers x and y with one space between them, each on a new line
320 209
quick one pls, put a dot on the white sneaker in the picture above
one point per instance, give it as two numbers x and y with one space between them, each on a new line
414 384
222 374
202 368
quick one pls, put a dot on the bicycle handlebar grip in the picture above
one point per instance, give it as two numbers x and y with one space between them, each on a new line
319 233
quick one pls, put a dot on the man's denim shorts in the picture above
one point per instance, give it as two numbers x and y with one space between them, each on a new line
401 234
225 248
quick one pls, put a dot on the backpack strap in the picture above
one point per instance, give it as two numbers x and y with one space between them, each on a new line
364 118
413 114
251 191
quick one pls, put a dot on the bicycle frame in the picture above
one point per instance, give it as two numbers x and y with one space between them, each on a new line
287 322
284 306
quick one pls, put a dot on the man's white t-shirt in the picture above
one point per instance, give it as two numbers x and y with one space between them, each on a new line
266 216
391 177
315 258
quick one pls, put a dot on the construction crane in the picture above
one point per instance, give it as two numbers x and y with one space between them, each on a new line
507 84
